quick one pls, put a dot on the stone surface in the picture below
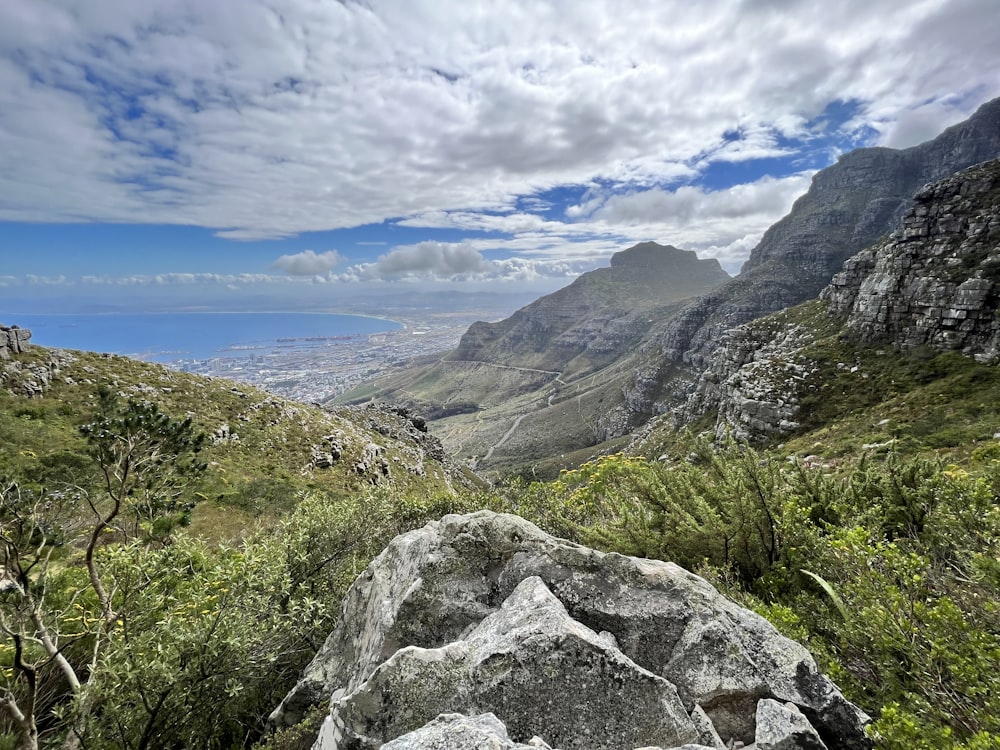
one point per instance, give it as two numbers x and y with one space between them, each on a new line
936 280
784 727
753 381
13 340
458 732
431 607
530 651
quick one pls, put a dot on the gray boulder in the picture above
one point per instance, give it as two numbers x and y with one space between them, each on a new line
13 340
485 612
458 732
783 727
527 661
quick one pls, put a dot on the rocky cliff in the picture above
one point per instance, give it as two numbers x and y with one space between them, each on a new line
934 282
482 631
13 340
599 317
848 206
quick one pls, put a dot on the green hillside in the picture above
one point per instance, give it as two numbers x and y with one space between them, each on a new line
225 611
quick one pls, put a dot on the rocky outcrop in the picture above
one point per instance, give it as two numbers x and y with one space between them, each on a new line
484 629
933 282
848 207
753 382
936 281
13 340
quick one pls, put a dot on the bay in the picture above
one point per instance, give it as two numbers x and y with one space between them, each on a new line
171 337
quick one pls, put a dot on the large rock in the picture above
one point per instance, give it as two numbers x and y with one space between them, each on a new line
485 612
783 727
458 732
13 340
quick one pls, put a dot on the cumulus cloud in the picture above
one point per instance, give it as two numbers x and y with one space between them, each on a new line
425 260
681 207
307 263
268 119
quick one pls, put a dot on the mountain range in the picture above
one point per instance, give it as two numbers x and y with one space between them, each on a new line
591 364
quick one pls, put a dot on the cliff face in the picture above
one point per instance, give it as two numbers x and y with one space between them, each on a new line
597 318
13 340
849 205
934 282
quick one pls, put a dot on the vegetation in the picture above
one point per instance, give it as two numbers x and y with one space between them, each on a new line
888 571
150 571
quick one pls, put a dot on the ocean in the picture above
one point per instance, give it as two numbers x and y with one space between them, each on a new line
170 337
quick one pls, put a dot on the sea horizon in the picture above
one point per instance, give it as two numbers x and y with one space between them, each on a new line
173 336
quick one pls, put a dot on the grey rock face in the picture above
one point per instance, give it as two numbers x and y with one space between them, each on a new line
13 340
753 381
848 207
458 732
485 612
783 727
935 281
530 650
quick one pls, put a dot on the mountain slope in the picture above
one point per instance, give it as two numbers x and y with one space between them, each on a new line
848 206
884 334
538 382
263 450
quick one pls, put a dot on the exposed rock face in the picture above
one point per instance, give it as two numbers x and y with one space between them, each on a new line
783 727
486 613
935 281
753 381
602 314
13 340
458 732
849 205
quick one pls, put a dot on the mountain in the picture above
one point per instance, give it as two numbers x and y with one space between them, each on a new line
262 450
593 362
849 205
558 362
600 316
883 324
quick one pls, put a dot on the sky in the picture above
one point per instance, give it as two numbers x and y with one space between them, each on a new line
307 153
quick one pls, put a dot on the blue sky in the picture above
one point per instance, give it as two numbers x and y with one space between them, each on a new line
312 152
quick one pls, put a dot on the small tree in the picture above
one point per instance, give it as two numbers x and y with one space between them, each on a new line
145 460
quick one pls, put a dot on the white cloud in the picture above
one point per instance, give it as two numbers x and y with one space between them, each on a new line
437 260
307 263
270 119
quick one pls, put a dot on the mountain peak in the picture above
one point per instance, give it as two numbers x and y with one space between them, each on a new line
651 254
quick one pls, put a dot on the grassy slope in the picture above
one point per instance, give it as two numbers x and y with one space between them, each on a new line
260 473
864 399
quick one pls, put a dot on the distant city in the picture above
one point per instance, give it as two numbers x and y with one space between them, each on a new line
311 371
